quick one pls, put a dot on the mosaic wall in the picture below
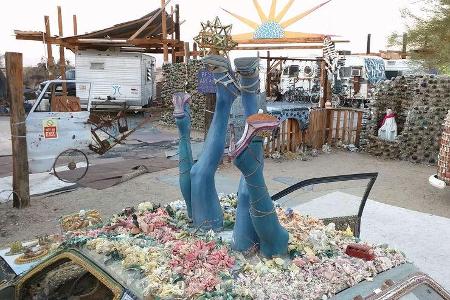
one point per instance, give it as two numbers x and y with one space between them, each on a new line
421 103
175 77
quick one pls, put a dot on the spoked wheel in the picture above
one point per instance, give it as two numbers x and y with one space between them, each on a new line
71 165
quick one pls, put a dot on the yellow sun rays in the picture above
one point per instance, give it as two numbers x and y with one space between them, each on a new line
272 16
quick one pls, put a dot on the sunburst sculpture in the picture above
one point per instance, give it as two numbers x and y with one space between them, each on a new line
272 25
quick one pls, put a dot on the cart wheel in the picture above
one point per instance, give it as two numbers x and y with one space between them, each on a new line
71 165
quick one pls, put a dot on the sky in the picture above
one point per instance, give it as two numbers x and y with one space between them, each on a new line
350 19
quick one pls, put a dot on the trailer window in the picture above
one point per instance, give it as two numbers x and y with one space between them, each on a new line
97 66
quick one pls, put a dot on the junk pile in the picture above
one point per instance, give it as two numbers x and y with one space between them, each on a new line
420 104
158 253
444 153
180 77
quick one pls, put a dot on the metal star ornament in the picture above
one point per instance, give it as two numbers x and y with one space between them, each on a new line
215 38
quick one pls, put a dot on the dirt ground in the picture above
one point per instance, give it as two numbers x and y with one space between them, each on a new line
399 183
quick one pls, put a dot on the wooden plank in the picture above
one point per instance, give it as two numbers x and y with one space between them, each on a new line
299 47
50 60
14 80
268 93
194 52
279 140
75 28
330 125
283 137
344 126
187 54
358 128
338 126
350 127
323 126
323 83
139 31
289 132
164 29
298 40
62 58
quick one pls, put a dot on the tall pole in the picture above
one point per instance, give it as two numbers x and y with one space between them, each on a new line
369 36
75 29
164 31
268 79
62 58
50 60
177 27
14 78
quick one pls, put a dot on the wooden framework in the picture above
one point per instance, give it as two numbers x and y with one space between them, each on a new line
148 34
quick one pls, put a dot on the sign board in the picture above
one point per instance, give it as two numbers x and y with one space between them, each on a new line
50 128
206 83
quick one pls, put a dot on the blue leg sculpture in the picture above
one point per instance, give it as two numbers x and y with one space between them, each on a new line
182 119
273 237
206 209
244 234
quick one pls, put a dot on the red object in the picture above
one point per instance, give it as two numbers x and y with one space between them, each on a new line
360 251
387 117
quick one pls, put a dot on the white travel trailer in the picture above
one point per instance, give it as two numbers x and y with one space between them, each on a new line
117 78
398 67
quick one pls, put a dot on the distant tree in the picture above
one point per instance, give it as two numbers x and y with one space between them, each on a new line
428 35
33 76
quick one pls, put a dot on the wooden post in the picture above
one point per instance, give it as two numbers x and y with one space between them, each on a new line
177 28
368 43
195 50
50 60
75 29
62 58
187 53
268 93
323 84
164 31
14 78
210 107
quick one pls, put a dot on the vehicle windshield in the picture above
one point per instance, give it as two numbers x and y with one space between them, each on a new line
335 199
422 292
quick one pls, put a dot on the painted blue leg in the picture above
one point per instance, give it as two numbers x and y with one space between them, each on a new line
244 234
206 210
273 237
185 157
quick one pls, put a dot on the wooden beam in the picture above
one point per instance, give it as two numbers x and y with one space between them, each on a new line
187 54
140 30
369 37
195 51
268 69
282 58
75 28
323 83
285 41
278 47
164 30
14 78
62 58
50 60
177 22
